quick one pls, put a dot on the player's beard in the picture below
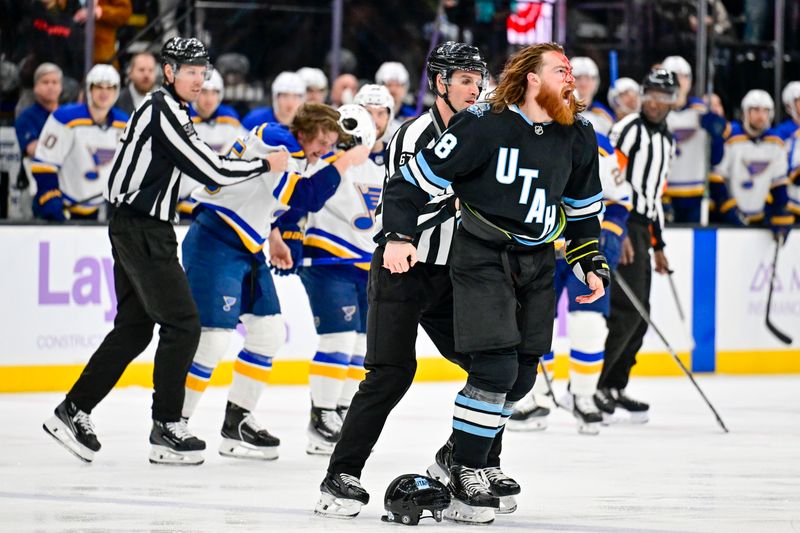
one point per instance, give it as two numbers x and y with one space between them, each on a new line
553 103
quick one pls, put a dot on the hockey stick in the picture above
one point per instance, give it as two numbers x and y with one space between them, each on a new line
783 337
549 384
325 261
680 309
646 316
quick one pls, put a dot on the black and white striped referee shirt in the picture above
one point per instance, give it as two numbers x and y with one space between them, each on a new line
433 244
158 146
648 150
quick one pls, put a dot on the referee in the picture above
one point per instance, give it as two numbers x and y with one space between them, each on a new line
158 146
645 148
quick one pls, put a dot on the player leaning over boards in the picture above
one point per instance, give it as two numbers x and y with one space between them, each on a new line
159 145
524 166
228 272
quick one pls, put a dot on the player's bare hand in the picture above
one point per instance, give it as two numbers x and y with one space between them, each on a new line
626 257
354 156
662 265
399 257
278 161
280 255
595 284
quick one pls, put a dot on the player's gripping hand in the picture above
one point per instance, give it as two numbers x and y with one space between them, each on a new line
49 205
399 256
280 255
595 284
351 157
293 239
278 161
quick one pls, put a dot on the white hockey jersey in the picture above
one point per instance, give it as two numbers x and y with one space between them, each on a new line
687 176
793 158
750 168
600 117
345 226
79 152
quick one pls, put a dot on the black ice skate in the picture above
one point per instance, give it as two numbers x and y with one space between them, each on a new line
440 469
639 411
341 496
473 501
528 416
605 404
504 487
243 438
73 429
174 445
324 430
586 413
342 410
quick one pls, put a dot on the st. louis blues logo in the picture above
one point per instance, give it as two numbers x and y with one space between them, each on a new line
349 311
370 197
754 168
228 302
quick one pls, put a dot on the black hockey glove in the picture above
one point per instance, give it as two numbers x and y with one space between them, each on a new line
584 256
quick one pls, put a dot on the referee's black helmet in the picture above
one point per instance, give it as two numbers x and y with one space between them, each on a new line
451 56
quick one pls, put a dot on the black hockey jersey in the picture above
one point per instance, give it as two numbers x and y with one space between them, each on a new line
518 181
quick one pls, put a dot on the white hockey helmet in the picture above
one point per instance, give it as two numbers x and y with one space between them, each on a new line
392 71
757 98
677 65
584 66
215 83
622 85
314 78
102 74
356 121
376 95
288 82
790 94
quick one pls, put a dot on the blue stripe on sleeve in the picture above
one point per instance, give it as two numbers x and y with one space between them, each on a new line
429 174
577 203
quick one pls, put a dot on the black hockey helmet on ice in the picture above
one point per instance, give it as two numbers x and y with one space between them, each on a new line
185 51
409 495
451 56
660 79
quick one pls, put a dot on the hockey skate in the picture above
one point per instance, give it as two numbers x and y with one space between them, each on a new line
243 438
324 430
585 411
73 429
504 487
605 404
342 410
173 444
639 411
473 501
341 496
528 416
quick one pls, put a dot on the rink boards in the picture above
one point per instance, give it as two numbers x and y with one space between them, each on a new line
58 304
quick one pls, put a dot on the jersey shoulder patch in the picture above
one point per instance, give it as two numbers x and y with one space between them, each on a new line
582 120
479 109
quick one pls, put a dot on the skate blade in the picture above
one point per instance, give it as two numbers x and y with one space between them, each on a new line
592 428
162 455
241 450
461 512
639 417
438 473
508 504
532 424
318 445
59 431
332 507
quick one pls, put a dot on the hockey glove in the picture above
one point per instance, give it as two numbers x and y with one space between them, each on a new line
583 256
49 206
293 238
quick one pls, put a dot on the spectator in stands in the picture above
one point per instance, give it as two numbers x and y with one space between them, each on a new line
109 15
54 37
344 89
29 123
141 75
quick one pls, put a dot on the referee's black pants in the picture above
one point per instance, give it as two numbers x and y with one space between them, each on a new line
626 327
151 288
398 303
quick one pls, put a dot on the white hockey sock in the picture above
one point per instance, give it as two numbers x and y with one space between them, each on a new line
587 333
265 336
212 346
355 372
328 370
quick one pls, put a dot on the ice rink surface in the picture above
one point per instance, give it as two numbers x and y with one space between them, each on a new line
677 473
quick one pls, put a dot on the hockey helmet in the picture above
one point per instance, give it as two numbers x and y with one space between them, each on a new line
215 83
677 65
375 95
392 71
584 66
662 80
185 51
622 85
409 495
790 94
451 56
313 77
288 82
757 98
102 74
356 122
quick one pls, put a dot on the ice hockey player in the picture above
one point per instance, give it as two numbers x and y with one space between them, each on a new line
524 166
586 324
623 97
228 273
72 160
394 76
749 186
691 124
316 84
335 236
791 103
288 94
587 82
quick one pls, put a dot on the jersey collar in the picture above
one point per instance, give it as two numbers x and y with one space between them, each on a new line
438 122
518 111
